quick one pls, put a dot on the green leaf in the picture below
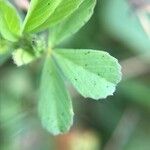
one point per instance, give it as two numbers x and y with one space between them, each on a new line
64 9
9 21
93 73
55 107
73 23
38 13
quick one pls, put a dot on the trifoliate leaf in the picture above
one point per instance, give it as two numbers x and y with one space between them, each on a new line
55 107
93 73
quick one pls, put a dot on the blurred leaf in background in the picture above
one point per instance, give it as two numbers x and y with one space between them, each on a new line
121 19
